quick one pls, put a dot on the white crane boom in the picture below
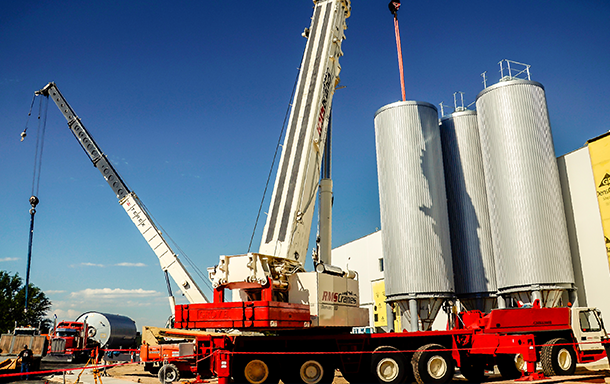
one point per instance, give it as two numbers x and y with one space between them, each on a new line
286 232
168 259
285 239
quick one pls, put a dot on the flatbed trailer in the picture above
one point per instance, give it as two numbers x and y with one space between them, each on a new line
513 339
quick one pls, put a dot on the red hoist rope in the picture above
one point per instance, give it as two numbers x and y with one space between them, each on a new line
400 68
394 7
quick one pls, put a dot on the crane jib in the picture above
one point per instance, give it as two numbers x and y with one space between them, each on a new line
86 141
168 259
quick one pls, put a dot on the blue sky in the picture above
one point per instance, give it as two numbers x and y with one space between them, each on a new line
187 100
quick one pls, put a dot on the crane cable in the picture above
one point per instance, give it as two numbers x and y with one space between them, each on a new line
394 6
42 123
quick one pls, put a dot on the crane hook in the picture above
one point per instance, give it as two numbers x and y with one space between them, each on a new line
33 202
23 134
394 6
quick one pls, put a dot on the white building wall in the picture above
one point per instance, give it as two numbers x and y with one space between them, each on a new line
363 256
587 242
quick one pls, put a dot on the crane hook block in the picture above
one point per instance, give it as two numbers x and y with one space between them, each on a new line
34 201
394 6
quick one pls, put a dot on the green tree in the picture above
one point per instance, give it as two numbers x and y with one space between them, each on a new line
12 304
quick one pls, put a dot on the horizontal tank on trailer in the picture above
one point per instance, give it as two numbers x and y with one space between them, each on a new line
110 331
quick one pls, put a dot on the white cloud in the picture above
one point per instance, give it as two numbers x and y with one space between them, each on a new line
92 265
110 293
63 314
130 265
9 259
54 291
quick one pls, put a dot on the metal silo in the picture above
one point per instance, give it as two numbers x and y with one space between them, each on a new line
528 222
415 230
470 229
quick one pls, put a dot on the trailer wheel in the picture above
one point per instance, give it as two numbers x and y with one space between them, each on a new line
432 363
558 358
169 373
510 366
389 368
473 369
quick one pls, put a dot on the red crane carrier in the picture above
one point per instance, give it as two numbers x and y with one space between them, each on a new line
514 339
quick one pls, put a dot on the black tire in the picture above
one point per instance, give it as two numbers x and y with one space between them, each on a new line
255 371
507 365
315 370
558 358
473 369
389 368
433 363
168 373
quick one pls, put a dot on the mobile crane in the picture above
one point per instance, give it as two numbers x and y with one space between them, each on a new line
170 263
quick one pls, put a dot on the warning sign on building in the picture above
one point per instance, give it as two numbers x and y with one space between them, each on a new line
599 150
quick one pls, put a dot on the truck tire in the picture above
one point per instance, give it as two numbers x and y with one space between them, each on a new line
558 358
255 371
389 368
473 369
510 366
314 371
432 363
169 373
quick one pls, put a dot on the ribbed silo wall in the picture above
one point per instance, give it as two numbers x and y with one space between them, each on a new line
470 228
529 231
415 227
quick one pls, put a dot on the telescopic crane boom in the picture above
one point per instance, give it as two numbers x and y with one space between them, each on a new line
275 275
170 263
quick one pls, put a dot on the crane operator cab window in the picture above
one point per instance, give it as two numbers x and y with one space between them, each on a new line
589 322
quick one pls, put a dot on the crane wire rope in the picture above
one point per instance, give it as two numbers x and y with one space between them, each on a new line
42 122
277 147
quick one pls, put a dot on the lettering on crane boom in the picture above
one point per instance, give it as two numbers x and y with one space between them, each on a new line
325 94
347 297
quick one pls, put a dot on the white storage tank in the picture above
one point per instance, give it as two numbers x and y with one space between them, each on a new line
470 229
418 269
110 331
528 222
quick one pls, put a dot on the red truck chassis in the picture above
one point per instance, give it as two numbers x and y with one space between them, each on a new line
505 337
